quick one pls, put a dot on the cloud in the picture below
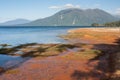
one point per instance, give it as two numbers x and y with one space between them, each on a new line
117 11
54 7
65 6
71 6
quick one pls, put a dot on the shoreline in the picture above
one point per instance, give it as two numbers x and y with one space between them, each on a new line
93 35
60 61
106 29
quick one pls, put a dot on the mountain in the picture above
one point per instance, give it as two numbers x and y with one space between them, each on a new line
118 16
15 22
75 17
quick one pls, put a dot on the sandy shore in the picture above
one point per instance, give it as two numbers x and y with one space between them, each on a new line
116 30
93 35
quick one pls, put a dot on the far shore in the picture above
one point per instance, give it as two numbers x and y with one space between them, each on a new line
97 29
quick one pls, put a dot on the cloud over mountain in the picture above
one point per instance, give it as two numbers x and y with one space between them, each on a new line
65 6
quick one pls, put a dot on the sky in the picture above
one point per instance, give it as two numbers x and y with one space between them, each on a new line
36 9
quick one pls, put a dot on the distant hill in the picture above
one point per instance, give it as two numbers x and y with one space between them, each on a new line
14 22
75 17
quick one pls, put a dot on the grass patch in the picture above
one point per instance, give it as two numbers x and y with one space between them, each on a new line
48 50
15 71
25 45
7 50
63 47
56 49
87 54
39 50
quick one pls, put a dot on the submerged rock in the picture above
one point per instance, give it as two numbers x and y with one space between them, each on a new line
1 69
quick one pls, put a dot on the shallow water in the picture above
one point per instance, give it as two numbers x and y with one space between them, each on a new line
7 61
22 35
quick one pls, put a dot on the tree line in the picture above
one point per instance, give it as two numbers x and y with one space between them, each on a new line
109 24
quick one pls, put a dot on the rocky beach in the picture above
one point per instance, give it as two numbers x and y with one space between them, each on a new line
91 54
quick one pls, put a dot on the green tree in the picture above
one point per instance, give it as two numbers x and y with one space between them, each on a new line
95 24
113 24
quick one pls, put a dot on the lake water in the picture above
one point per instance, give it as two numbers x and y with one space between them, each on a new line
22 35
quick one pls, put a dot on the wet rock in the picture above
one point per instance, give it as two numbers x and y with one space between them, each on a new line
1 70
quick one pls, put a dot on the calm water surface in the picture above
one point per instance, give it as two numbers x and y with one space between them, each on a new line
22 35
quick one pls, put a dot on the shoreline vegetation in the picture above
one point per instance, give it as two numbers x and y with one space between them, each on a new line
108 24
91 54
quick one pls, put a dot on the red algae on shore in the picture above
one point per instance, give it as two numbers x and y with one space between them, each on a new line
94 35
72 62
57 67
50 69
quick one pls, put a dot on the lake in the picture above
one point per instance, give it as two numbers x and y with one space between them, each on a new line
22 35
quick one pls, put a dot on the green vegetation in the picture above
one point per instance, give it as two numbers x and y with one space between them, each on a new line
85 54
4 46
89 54
24 45
95 24
15 71
63 47
48 50
29 50
109 24
5 50
113 24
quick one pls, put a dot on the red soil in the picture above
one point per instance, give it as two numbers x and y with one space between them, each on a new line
54 68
